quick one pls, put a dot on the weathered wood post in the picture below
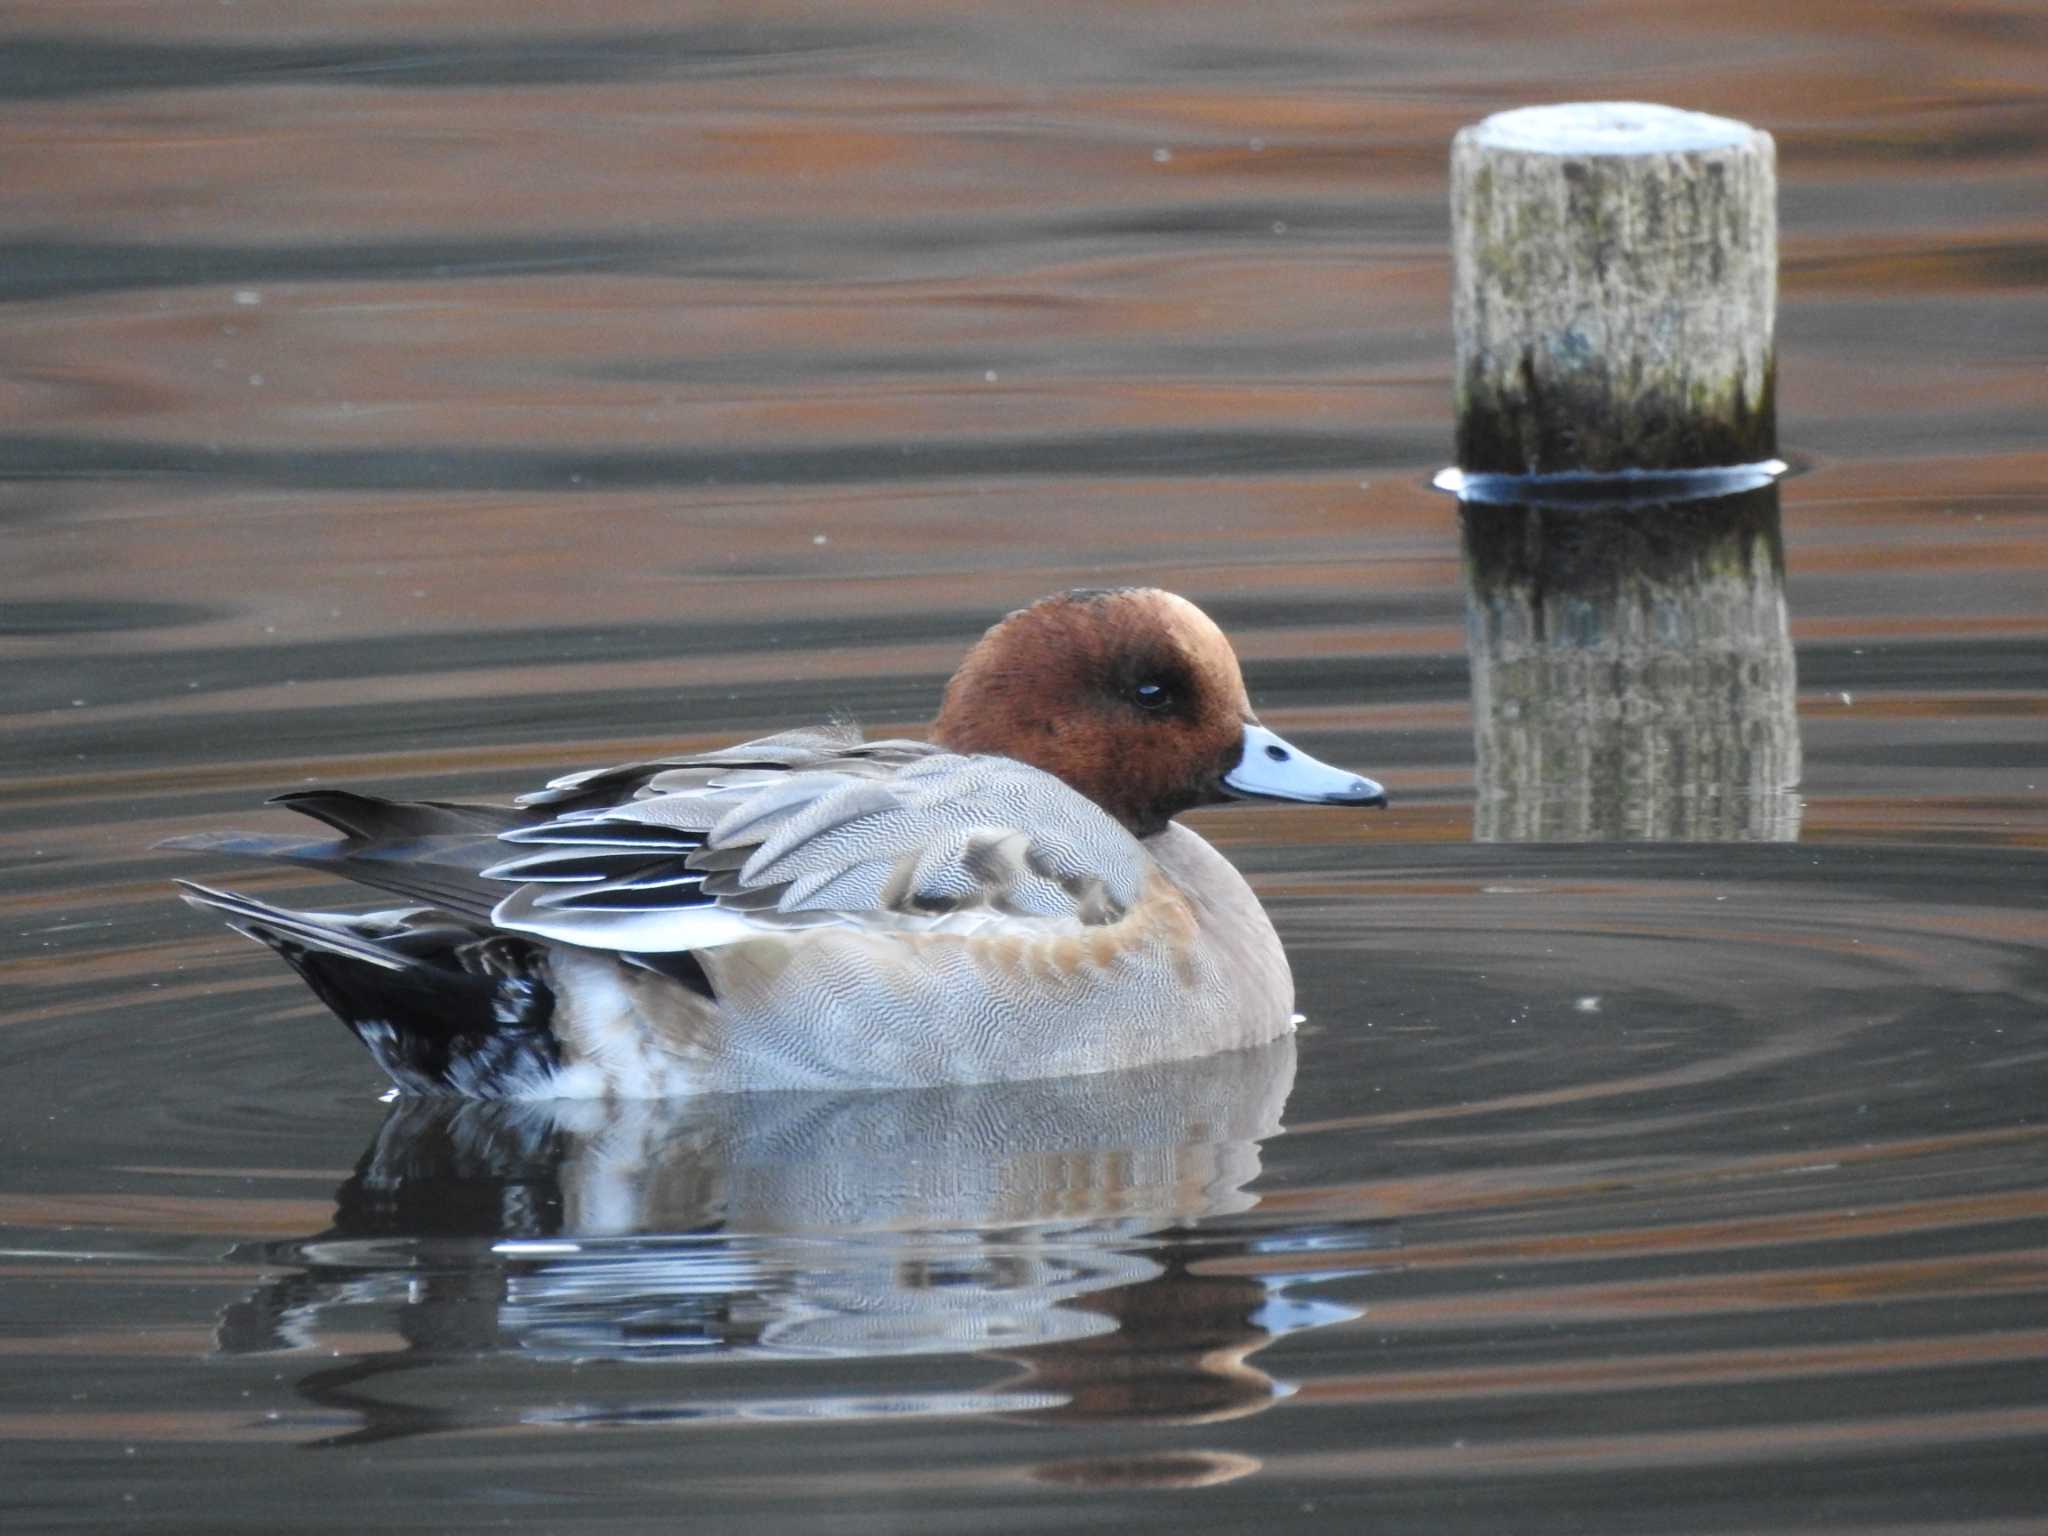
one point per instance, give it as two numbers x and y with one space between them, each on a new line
1616 284
1616 280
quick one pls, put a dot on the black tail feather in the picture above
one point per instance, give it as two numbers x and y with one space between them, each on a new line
439 869
371 819
429 850
442 1005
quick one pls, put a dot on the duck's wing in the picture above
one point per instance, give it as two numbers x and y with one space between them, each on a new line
433 850
880 836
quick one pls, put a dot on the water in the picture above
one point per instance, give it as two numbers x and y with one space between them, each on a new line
436 402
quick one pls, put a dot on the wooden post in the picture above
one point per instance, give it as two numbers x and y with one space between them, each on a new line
1615 287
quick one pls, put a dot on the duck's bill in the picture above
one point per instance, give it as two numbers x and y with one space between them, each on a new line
1271 769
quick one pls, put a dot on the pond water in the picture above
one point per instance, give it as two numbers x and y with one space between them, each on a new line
432 399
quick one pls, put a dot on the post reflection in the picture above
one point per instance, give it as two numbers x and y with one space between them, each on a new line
1055 1227
1632 672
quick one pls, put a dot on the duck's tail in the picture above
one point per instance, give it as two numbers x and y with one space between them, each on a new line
444 1004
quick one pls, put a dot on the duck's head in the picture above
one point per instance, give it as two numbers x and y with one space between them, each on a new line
1134 698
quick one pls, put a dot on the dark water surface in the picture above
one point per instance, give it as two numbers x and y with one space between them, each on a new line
435 398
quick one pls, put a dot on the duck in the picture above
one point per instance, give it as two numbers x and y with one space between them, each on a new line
1010 898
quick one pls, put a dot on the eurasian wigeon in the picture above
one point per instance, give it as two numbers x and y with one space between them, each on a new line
1011 899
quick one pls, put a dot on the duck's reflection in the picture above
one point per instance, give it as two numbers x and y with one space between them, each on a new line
1632 673
1056 1229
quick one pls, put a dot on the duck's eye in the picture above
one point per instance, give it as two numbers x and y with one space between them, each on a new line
1152 695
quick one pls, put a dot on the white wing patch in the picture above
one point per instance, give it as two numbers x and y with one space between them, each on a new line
814 829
